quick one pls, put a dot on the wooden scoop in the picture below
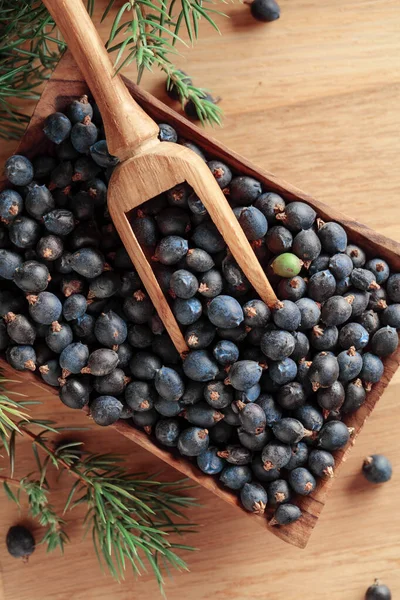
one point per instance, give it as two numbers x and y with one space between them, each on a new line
148 167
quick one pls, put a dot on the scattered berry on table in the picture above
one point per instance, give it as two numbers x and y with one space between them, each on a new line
378 591
20 542
265 10
377 468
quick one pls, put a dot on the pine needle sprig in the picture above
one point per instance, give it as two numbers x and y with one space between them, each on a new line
149 37
40 509
30 48
131 516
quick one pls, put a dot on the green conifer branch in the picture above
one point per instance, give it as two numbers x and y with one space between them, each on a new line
130 516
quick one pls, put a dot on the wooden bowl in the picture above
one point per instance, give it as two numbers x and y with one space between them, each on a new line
67 84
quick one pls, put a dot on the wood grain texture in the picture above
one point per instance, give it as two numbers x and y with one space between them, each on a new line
306 121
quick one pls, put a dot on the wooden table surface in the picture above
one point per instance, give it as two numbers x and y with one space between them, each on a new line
313 97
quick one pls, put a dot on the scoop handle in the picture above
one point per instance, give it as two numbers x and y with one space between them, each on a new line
127 126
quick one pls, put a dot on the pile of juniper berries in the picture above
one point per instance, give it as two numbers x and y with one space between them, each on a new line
259 398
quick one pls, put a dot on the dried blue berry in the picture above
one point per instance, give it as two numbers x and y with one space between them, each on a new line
198 260
10 262
291 395
289 430
331 398
11 205
279 239
324 371
105 410
226 352
235 477
286 315
363 280
353 334
286 514
356 254
244 374
203 415
20 542
74 357
302 346
302 481
140 395
393 287
378 591
299 456
270 205
193 441
384 341
333 238
100 154
187 311
372 369
218 395
254 498
340 265
391 316
310 313
44 307
292 289
20 329
306 245
283 371
321 463
278 344
24 232
355 397
377 468
271 409
57 127
169 384
144 365
79 109
112 384
21 358
350 364
207 237
333 436
254 441
275 455
252 221
171 249
278 492
84 135
225 312
322 285
110 330
209 462
336 310
167 133
51 372
167 432
101 362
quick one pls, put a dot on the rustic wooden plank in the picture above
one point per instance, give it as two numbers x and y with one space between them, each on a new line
312 97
